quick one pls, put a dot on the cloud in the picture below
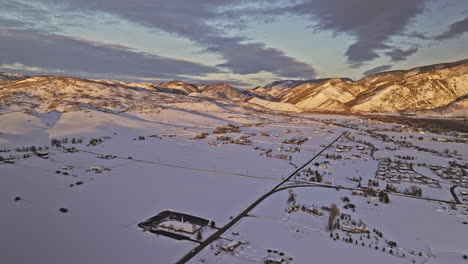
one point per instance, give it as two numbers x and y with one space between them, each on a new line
14 23
196 20
377 69
255 57
455 30
26 15
401 55
371 22
51 52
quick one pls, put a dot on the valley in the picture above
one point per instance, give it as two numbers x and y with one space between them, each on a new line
114 172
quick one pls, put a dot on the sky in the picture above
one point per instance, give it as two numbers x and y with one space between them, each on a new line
244 43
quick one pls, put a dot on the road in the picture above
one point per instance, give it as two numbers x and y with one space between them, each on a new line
16 111
245 212
455 197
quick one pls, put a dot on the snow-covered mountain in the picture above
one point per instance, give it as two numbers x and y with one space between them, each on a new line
416 89
330 95
67 94
278 106
6 76
422 88
277 88
426 87
457 108
178 87
222 91
293 83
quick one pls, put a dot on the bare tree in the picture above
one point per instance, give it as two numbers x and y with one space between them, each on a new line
334 211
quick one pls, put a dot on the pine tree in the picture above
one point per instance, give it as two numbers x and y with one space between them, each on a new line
386 199
318 176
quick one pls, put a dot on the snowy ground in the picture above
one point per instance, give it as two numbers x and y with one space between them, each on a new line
169 169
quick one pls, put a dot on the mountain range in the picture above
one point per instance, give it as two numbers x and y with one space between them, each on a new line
434 89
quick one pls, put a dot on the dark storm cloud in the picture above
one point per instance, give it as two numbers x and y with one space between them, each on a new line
377 69
455 30
372 22
50 52
195 20
400 54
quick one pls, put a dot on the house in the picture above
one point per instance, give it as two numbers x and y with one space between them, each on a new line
231 246
364 187
40 154
354 179
284 157
97 169
179 226
354 229
293 208
107 156
357 193
314 210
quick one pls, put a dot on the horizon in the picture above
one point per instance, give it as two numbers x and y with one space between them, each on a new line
214 82
238 42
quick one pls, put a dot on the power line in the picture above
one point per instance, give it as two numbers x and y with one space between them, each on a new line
190 168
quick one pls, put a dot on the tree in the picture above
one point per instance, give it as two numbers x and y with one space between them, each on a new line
199 235
292 197
212 224
386 199
318 176
334 211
